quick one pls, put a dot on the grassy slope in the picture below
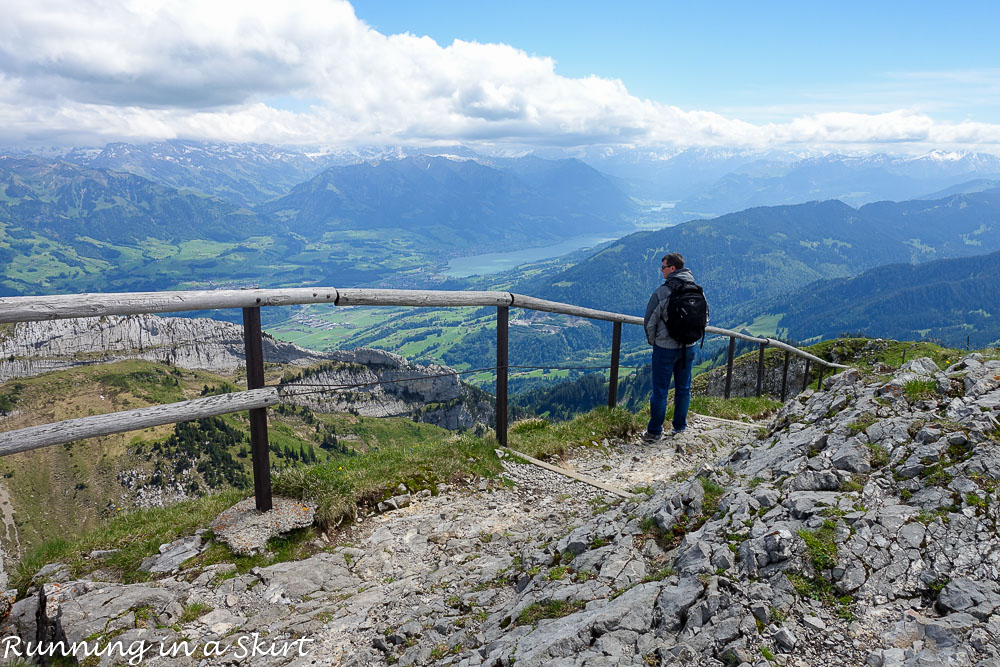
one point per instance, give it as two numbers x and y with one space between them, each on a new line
67 489
340 485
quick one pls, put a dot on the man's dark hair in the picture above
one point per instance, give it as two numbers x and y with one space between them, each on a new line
674 259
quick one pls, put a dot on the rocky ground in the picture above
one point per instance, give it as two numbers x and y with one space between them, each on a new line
858 528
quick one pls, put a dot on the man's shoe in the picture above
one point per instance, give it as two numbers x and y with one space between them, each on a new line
651 439
677 432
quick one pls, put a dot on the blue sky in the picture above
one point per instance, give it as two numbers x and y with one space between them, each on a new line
759 60
808 77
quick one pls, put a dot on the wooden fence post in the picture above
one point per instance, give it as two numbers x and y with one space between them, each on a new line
760 371
501 409
784 377
729 365
805 380
616 350
260 456
819 380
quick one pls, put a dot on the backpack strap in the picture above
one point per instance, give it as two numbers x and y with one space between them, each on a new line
677 282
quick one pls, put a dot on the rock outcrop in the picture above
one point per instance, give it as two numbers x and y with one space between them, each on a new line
376 383
368 382
744 380
858 528
32 348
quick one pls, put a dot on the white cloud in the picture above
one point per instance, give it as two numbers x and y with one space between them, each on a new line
102 70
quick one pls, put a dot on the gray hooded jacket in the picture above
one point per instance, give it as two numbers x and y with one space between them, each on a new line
655 319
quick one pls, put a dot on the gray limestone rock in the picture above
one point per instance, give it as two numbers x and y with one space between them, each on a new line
766 497
921 366
694 557
568 636
811 480
173 554
85 608
246 530
785 638
968 596
808 503
674 601
39 347
852 457
814 623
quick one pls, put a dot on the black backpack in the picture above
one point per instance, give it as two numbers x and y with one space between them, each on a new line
686 313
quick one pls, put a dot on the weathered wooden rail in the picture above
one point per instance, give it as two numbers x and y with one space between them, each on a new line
258 398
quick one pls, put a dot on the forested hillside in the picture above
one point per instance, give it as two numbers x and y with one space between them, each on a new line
953 300
745 259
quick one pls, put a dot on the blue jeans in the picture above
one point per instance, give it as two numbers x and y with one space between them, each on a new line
667 363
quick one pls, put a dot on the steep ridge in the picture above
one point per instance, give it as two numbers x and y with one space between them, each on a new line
31 348
859 527
376 383
364 381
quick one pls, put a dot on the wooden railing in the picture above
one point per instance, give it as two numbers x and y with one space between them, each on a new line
258 398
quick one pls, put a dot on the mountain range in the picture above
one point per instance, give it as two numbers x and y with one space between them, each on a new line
453 203
746 259
699 182
193 214
64 201
66 227
853 180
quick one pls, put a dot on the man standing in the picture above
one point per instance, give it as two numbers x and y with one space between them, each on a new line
670 357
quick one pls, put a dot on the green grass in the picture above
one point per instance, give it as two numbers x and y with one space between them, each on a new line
927 517
915 390
891 353
194 611
879 455
736 409
295 545
823 590
820 546
539 438
551 609
155 384
713 493
765 325
136 535
740 408
861 424
342 483
339 485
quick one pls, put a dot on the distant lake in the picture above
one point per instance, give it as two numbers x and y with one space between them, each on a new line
495 262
